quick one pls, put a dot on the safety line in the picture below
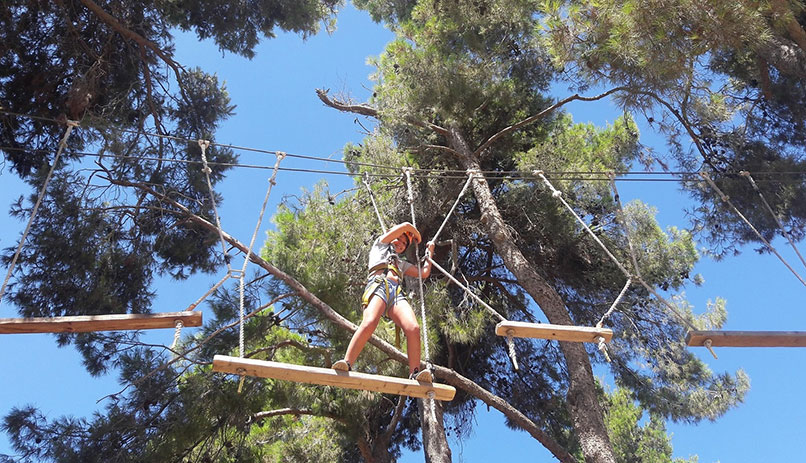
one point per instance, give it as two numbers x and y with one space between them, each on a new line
70 126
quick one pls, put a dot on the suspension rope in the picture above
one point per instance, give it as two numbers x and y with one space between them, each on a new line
407 171
438 172
615 303
623 221
177 334
442 174
204 144
600 341
510 342
786 234
365 179
272 182
558 194
209 292
62 144
470 176
555 193
727 201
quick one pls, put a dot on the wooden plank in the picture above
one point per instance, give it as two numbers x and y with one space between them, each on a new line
89 323
330 377
556 332
747 338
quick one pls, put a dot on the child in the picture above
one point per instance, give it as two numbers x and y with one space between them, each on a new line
383 296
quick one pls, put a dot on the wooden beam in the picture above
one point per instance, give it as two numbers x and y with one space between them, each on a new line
89 323
747 338
330 377
557 332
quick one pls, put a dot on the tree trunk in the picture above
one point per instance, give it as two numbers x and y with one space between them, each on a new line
435 442
585 411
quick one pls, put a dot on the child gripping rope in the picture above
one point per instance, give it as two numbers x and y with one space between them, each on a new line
383 296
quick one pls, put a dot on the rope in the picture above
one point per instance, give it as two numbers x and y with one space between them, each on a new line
559 195
209 292
62 144
727 200
510 342
407 171
177 333
616 302
441 174
365 179
203 144
623 221
272 182
470 175
786 234
467 290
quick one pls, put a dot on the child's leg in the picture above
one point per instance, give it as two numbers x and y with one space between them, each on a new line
402 314
372 315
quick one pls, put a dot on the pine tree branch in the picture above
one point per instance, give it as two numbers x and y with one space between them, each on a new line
143 43
386 437
130 34
683 121
541 115
367 110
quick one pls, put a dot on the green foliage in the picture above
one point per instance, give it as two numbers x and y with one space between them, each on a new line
634 442
728 75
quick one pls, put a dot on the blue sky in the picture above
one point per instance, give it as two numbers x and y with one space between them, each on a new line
277 109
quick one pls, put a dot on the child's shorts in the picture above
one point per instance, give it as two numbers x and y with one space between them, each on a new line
389 291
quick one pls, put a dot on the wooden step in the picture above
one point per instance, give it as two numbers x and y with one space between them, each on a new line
747 338
330 377
569 333
89 323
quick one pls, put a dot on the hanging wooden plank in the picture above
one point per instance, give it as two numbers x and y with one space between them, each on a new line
330 377
747 338
556 332
89 323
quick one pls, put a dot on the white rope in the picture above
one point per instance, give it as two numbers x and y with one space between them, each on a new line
272 182
365 179
772 212
727 200
600 341
630 277
62 143
209 292
623 221
616 302
467 290
559 195
470 175
240 334
407 171
203 144
177 334
511 350
510 342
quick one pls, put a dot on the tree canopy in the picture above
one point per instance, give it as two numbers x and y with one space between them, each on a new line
464 88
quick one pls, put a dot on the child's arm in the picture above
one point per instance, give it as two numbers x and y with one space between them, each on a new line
412 271
401 229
